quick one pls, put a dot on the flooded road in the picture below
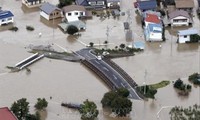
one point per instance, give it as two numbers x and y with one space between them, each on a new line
72 82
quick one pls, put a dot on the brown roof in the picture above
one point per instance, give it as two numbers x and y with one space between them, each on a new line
184 3
72 8
179 13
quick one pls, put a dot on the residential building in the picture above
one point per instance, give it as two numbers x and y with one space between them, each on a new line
73 12
179 18
184 35
49 11
151 18
113 4
6 17
186 5
33 3
154 32
6 114
147 5
92 4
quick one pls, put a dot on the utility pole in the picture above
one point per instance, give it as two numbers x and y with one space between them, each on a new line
144 83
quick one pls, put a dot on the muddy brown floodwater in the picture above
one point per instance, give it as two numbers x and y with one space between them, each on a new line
72 82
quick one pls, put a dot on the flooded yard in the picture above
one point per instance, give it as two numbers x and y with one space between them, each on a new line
72 82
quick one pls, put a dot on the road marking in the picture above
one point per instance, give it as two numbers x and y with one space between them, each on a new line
105 68
114 77
131 96
122 85
97 62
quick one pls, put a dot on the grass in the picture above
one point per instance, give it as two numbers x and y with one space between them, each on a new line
160 84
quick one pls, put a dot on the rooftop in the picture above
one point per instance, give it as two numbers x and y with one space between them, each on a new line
147 5
48 8
6 114
184 3
188 32
157 28
178 13
70 8
152 18
5 14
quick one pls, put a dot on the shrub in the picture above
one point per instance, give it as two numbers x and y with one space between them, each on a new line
14 29
72 29
30 28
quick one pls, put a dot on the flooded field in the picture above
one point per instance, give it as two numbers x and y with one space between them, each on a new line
72 82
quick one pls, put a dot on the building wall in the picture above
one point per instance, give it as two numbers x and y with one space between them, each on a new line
183 38
43 14
55 14
74 14
155 36
7 20
180 22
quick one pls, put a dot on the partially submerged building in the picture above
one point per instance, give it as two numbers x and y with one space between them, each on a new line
185 35
6 17
6 114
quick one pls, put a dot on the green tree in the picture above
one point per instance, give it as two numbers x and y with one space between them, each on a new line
121 106
178 83
118 102
35 116
63 3
41 104
88 110
20 108
122 46
91 44
72 29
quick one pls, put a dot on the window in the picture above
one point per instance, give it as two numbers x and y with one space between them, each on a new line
100 3
185 36
76 13
57 13
51 14
69 14
9 18
3 20
81 13
93 3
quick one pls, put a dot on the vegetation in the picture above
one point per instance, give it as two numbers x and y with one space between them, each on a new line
118 102
194 38
190 113
30 28
14 28
21 110
63 3
88 110
195 78
184 89
72 29
41 104
91 44
149 91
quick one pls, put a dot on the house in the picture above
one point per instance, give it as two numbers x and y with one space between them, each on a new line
92 4
179 17
184 35
79 24
147 5
151 18
33 3
6 114
49 11
186 5
113 4
73 12
6 17
154 32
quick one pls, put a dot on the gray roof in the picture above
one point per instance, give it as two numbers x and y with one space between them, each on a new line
48 8
113 0
178 13
188 32
72 8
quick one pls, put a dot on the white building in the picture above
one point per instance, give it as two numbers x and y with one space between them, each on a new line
113 3
153 32
184 35
179 18
73 12
49 11
33 3
6 17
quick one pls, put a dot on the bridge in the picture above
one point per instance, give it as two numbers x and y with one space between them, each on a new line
114 76
28 61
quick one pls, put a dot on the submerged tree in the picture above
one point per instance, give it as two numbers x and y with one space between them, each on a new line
41 104
72 29
88 110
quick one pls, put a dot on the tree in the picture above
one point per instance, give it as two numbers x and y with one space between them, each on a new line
35 116
118 102
20 108
88 110
91 44
106 42
72 29
63 3
178 83
121 106
122 46
41 104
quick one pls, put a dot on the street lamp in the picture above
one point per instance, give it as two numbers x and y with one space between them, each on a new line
108 30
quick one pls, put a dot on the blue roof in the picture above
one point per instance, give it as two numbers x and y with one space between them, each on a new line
188 32
5 14
48 8
147 5
82 2
156 28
